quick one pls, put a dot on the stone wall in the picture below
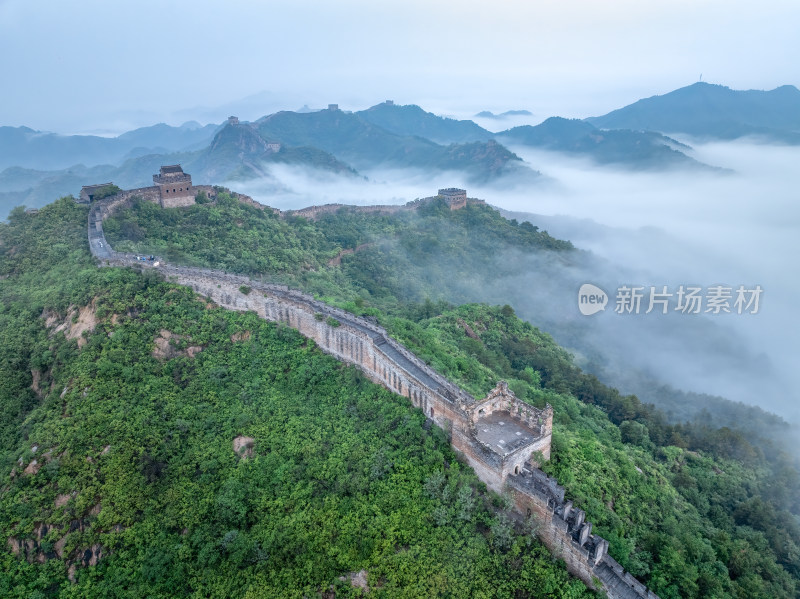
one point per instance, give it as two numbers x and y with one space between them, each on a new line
178 199
314 212
386 362
357 341
566 533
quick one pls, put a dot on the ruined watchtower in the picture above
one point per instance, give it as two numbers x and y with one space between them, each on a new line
455 198
506 433
175 186
89 191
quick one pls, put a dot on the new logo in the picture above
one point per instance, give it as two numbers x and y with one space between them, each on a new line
591 299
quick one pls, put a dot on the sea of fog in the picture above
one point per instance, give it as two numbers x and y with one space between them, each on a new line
704 229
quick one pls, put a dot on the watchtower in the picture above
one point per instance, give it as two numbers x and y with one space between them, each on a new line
88 192
455 198
175 186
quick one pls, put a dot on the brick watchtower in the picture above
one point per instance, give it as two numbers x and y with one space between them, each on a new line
455 198
175 186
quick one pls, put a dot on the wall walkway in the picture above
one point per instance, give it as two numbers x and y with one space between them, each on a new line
383 360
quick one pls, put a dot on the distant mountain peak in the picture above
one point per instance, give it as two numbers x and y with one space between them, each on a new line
713 110
632 149
488 114
412 120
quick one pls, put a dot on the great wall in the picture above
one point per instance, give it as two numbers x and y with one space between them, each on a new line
500 436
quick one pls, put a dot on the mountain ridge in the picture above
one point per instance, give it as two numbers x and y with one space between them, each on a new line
413 120
26 147
623 147
366 145
715 111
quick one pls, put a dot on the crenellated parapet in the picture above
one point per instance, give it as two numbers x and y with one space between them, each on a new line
500 436
501 398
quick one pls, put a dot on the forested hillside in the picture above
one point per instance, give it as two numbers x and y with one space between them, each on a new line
154 444
694 511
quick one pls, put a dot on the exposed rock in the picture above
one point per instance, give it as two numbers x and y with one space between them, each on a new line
241 336
243 446
36 375
92 555
163 350
33 467
193 350
468 330
58 546
85 319
15 545
31 549
357 580
166 350
50 319
61 500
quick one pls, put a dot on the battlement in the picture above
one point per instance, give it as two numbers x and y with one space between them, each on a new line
456 198
500 436
88 192
501 398
170 174
509 427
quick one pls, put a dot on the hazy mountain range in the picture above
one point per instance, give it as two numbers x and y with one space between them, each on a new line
714 111
488 114
625 147
40 166
21 146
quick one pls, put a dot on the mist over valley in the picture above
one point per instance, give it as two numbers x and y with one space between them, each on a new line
399 300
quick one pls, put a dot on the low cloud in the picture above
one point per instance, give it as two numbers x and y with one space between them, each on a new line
656 228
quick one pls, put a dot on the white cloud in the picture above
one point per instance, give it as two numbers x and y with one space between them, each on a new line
647 228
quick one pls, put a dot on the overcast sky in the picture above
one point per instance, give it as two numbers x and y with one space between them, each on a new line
99 65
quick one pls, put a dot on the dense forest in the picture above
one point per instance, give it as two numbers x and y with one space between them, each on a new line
126 396
119 444
395 262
